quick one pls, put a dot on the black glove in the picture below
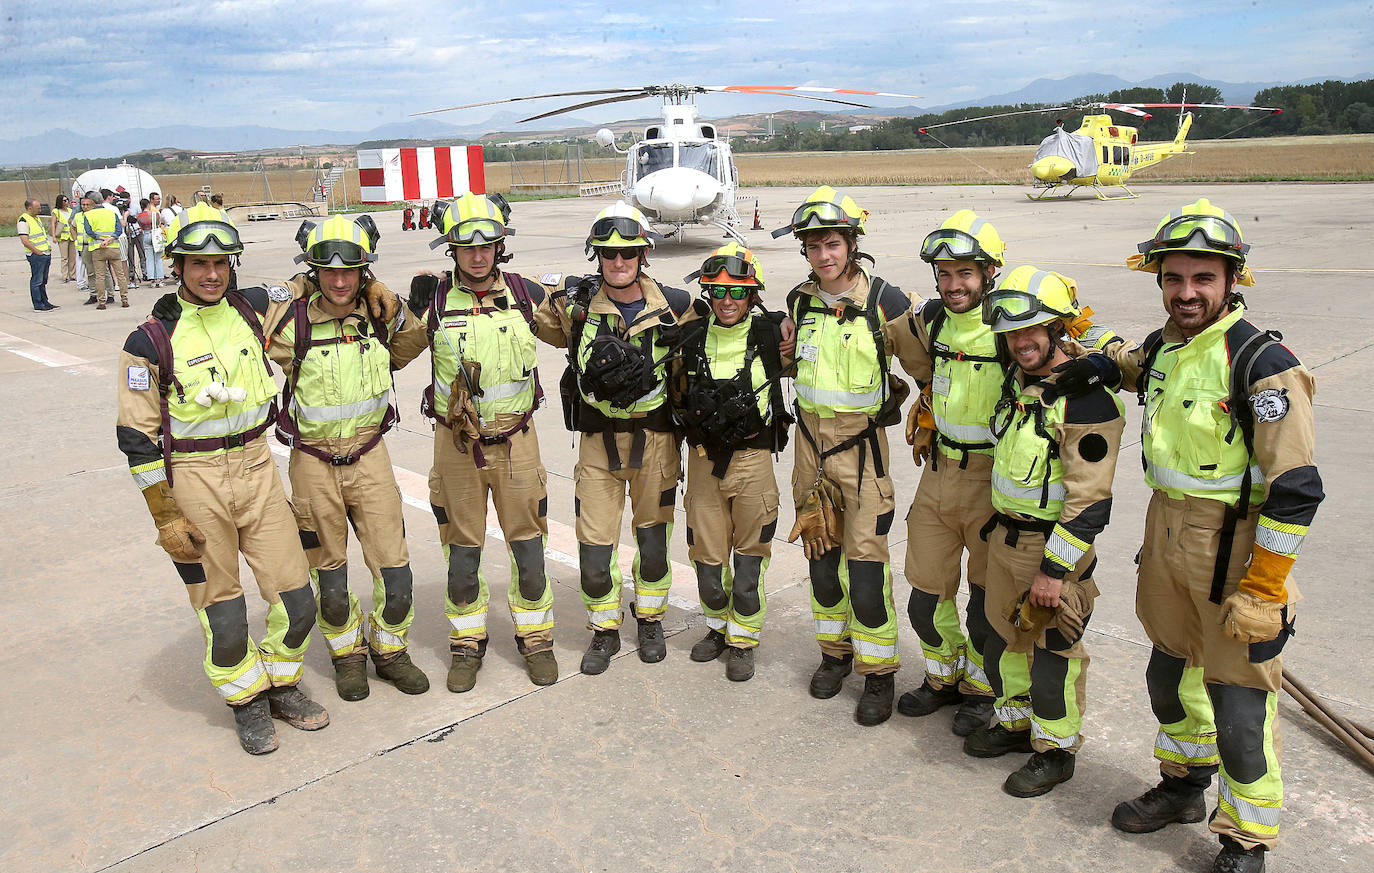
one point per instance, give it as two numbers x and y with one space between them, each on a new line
1079 376
422 289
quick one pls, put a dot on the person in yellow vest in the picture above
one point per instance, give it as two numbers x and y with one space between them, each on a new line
38 248
103 227
335 409
61 230
1228 444
85 267
615 395
731 408
1051 480
484 389
849 324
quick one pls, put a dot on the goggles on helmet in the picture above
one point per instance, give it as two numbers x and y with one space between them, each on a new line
818 213
626 227
1217 234
336 253
474 232
214 237
735 292
731 265
956 245
1014 306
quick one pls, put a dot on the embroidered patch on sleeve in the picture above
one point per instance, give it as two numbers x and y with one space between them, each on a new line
278 294
550 278
1271 404
139 379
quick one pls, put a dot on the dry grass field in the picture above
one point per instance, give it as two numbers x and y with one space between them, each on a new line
1308 159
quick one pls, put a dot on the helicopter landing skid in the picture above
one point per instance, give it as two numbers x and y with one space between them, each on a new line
1102 195
1046 192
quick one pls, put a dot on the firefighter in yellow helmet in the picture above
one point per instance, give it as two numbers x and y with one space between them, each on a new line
1228 446
335 408
619 327
1051 478
731 408
849 324
195 396
483 392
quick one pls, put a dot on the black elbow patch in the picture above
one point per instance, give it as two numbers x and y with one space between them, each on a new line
1093 447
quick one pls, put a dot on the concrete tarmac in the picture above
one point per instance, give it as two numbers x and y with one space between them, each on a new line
119 756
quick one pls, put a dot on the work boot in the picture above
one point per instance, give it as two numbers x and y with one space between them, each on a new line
90 301
875 704
995 741
709 647
974 713
350 676
401 672
100 306
462 673
290 704
652 647
739 665
253 720
829 676
927 699
542 667
1234 858
1172 800
605 643
1041 772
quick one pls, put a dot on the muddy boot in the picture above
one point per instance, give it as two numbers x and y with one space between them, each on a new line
709 647
652 647
739 665
927 699
875 704
995 741
974 713
290 704
1041 772
605 643
1234 858
541 667
462 673
350 676
401 672
253 720
829 676
1172 800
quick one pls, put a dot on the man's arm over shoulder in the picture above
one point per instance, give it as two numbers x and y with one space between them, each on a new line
552 323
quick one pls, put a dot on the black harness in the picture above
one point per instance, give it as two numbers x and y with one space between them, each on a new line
935 315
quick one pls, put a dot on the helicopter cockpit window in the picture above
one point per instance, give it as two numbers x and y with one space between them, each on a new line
652 157
698 156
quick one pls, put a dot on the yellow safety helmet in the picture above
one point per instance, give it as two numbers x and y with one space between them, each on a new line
1200 227
1029 296
731 264
338 242
964 237
825 207
470 220
202 229
620 225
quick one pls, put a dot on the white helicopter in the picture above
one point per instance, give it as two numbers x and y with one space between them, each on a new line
681 173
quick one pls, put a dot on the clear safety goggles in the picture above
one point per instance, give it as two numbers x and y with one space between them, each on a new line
209 237
1217 234
818 214
627 228
474 232
952 245
1013 307
336 253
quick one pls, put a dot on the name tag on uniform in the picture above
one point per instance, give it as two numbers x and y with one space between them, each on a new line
809 352
462 323
139 379
940 384
200 359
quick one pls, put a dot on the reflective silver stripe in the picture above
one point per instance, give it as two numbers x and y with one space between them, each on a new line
1166 477
1064 550
1036 279
739 630
975 673
830 627
504 390
941 669
827 397
220 426
964 433
603 615
282 669
249 678
474 621
652 393
1247 812
1185 750
344 642
341 412
716 624
150 477
1008 488
441 388
386 638
650 601
532 619
1277 541
876 651
1038 732
1013 714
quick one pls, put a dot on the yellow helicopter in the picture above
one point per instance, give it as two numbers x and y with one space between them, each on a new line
1101 154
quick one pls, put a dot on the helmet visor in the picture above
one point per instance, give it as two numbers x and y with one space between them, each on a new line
1201 232
1005 310
476 232
627 228
209 237
337 253
732 265
818 213
949 244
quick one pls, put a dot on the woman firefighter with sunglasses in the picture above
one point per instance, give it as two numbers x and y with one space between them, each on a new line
196 396
731 408
1051 476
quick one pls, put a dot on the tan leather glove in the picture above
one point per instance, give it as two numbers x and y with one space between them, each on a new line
1028 618
811 526
1075 605
177 535
920 427
832 507
382 302
462 412
1250 619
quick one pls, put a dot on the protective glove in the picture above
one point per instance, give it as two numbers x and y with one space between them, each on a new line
1075 605
811 526
1249 619
920 427
176 534
382 302
832 508
462 411
1079 376
422 290
1028 618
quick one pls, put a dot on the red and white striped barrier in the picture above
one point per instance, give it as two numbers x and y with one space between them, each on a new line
393 175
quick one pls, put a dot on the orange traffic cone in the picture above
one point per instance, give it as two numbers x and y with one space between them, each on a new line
758 225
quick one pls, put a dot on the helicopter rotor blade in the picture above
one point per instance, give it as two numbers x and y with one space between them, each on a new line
814 89
1273 109
998 115
638 92
576 106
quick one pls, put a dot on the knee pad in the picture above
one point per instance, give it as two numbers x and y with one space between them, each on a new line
709 586
653 551
825 579
920 608
1162 678
333 594
866 593
1240 714
300 614
228 622
594 562
979 629
528 556
463 561
1048 673
748 579
399 584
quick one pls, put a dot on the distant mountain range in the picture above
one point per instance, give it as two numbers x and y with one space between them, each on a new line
63 144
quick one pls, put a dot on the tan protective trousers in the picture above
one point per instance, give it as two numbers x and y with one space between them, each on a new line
950 508
1216 699
739 514
102 261
237 501
68 249
600 504
327 498
1040 681
514 480
851 587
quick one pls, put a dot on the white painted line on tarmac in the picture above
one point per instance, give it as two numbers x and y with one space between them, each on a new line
41 354
561 546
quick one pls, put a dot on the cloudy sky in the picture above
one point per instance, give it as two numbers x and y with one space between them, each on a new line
359 64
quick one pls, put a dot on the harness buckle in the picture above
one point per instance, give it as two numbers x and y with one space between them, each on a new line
343 460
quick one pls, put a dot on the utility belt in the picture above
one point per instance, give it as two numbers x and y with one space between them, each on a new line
1015 527
212 444
864 440
479 458
658 420
331 458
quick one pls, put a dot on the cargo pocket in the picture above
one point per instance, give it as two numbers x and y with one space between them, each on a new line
305 523
1267 651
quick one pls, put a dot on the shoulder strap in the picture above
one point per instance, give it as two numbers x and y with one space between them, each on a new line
156 332
1242 365
875 326
519 289
1153 343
